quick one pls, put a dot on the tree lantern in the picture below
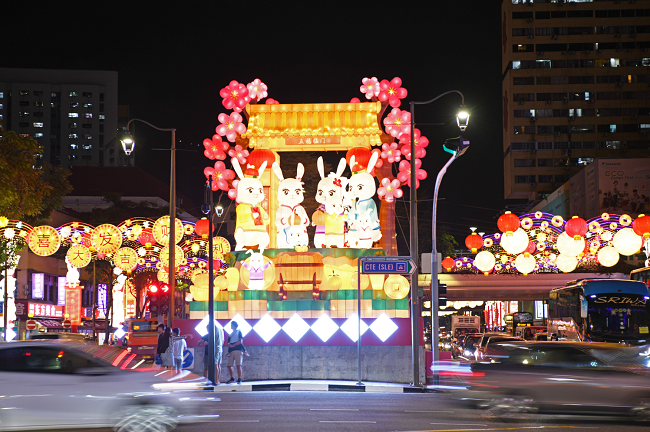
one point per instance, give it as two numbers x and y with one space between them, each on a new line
259 156
626 242
508 223
361 157
474 242
448 263
202 227
641 226
576 227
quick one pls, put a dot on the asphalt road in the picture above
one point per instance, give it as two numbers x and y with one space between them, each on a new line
372 412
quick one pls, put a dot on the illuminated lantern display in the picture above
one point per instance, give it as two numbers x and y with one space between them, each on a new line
361 157
377 281
626 242
516 242
78 256
221 283
201 290
607 256
73 304
162 275
126 259
397 287
44 240
566 263
354 281
220 247
161 232
257 272
568 246
448 263
146 238
525 263
179 256
335 283
508 223
232 275
258 156
641 226
202 228
531 247
576 227
484 261
299 271
106 238
474 242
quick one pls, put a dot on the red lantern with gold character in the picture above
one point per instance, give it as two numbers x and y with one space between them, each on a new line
474 242
508 223
202 227
641 226
576 227
448 263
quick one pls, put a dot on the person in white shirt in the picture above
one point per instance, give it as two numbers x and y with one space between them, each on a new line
178 347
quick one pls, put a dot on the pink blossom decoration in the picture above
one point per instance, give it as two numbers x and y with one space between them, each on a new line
392 91
398 122
231 126
235 96
355 100
390 152
257 90
406 151
239 153
370 87
232 193
389 190
220 176
420 143
404 174
215 148
270 101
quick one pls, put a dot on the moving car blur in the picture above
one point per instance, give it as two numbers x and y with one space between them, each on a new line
65 383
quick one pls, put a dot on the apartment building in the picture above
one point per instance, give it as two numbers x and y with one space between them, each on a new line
576 87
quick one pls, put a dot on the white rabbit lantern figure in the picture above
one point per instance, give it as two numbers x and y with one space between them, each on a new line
331 189
361 190
256 269
252 220
294 235
290 196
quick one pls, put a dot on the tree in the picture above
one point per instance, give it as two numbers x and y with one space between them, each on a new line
445 241
30 189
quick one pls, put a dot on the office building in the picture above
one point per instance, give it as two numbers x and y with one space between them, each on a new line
576 87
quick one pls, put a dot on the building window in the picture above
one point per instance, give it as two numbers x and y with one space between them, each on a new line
523 80
38 114
524 163
23 113
24 92
2 95
87 126
87 94
86 157
524 130
524 179
101 128
73 136
38 125
89 115
544 130
73 114
38 103
517 97
101 107
545 178
72 125
73 94
23 124
88 105
38 135
74 146
88 136
102 117
545 145
87 146
23 103
74 104
547 162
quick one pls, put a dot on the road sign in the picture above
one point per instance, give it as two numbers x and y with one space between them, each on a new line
188 358
32 325
67 323
384 266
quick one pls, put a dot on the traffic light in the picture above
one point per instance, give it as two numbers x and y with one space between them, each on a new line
456 146
164 294
154 294
442 294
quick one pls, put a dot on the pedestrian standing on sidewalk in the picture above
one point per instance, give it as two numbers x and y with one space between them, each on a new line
163 342
178 348
218 353
236 352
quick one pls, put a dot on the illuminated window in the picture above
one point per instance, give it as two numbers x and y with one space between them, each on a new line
87 147
88 136
38 135
89 115
72 114
88 105
102 117
38 125
351 327
73 94
244 327
383 327
74 146
296 327
266 328
73 135
324 327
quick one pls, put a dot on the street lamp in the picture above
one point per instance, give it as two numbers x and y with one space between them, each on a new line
128 144
462 119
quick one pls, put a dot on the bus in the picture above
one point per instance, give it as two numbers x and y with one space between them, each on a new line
642 274
600 310
517 319
142 336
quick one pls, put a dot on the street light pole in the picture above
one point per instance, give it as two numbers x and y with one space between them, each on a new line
209 200
128 148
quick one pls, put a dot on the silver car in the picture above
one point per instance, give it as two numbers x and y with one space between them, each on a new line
62 385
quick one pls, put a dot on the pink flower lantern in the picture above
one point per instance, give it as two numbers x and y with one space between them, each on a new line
398 122
231 126
270 101
392 91
239 153
355 100
257 90
215 148
404 174
420 143
389 190
390 152
232 193
220 176
235 96
370 87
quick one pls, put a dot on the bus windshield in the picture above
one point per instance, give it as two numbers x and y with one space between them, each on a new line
625 316
143 326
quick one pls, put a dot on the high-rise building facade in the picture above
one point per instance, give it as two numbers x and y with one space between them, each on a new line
576 87
72 113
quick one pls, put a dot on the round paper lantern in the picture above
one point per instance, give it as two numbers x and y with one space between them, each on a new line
484 261
525 263
259 156
576 227
354 281
608 256
335 283
508 223
474 242
566 263
220 247
221 283
516 242
448 263
44 240
202 227
641 226
106 238
179 256
361 157
125 259
232 274
626 242
397 287
568 246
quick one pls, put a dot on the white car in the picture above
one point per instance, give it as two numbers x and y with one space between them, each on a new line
60 385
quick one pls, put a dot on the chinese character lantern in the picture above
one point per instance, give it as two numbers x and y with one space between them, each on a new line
474 242
576 227
258 156
508 223
641 226
448 263
202 227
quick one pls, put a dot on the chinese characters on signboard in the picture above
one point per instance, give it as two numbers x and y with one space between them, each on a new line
73 304
312 140
44 240
38 282
24 308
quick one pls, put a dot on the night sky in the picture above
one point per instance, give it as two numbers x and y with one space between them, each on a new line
174 57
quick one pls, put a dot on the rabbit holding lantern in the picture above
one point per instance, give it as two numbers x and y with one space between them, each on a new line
290 195
330 189
361 190
252 219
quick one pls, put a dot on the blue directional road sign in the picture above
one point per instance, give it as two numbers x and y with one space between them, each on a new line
402 266
188 358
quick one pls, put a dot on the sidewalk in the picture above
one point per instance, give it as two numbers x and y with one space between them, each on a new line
320 385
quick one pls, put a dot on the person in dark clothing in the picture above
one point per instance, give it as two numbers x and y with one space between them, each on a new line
163 341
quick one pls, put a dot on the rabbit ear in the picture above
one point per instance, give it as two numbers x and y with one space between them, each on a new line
352 162
341 167
321 167
237 167
262 168
277 170
249 251
300 171
373 160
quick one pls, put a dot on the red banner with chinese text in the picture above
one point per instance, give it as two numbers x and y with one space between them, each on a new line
73 304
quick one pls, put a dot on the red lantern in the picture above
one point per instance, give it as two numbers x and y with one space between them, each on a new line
531 247
576 227
448 263
361 158
202 228
146 238
641 226
474 242
258 156
508 223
